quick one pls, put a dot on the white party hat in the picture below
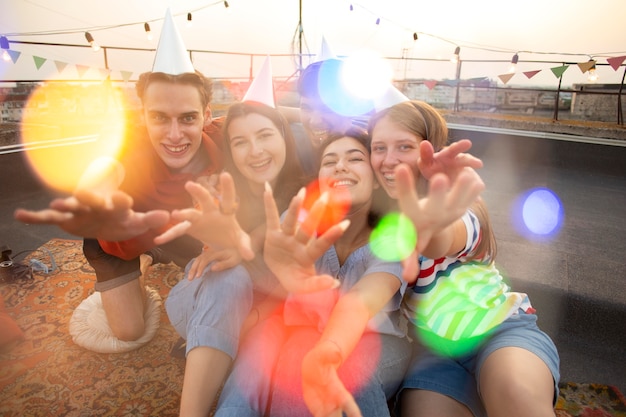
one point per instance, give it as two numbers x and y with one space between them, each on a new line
325 52
389 98
171 55
262 88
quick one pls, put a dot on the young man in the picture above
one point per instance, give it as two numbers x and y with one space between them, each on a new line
169 149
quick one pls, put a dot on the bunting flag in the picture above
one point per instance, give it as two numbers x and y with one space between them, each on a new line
126 75
505 78
104 73
586 66
60 66
39 61
82 69
531 74
15 55
616 61
558 71
430 84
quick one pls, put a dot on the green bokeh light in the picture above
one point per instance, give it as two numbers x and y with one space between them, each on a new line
394 238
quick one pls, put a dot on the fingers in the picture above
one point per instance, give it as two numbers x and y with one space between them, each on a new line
201 195
47 216
272 218
290 221
309 226
320 245
228 202
244 246
172 233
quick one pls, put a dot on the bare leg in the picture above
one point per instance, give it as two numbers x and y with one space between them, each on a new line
205 371
124 308
515 382
421 403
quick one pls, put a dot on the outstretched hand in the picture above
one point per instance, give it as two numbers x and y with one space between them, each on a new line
94 215
324 393
445 203
291 249
450 160
213 222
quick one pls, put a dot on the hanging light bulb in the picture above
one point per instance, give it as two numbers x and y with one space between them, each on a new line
4 45
592 75
378 21
146 27
351 7
92 42
513 63
414 36
189 22
226 5
455 57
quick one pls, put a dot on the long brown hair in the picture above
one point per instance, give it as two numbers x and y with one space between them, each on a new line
291 177
424 121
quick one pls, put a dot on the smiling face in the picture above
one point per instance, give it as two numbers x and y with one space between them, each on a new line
174 116
257 147
391 145
345 170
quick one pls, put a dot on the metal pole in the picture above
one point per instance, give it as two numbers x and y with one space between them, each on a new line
300 36
458 84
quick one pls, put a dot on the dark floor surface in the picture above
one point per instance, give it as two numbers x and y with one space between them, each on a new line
576 280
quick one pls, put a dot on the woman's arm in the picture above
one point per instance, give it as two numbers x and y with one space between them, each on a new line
324 392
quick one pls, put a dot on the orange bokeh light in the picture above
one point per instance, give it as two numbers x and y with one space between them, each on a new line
66 127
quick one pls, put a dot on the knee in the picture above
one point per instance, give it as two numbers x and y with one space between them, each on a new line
129 331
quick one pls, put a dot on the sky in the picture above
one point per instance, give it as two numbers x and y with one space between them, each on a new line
544 33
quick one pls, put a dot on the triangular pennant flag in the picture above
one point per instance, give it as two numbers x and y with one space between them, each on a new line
104 72
430 84
390 98
616 61
15 55
586 66
82 69
60 65
262 88
531 74
171 55
126 75
505 78
39 61
325 52
558 71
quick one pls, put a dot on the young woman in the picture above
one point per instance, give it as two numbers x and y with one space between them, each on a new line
209 312
332 350
485 354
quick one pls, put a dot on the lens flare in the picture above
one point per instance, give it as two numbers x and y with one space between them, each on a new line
338 203
366 74
335 94
538 214
65 128
394 238
463 308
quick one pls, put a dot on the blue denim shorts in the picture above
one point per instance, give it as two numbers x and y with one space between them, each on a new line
458 377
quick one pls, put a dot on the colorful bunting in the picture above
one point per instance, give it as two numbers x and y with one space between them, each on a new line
430 84
82 69
531 74
126 75
505 78
616 61
558 71
60 66
15 55
586 66
39 61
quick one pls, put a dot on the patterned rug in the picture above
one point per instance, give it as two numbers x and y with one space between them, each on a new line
46 374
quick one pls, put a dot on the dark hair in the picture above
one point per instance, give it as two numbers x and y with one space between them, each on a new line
195 79
361 136
291 177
